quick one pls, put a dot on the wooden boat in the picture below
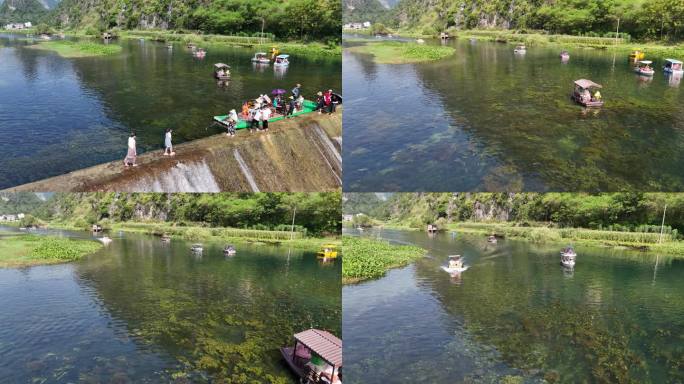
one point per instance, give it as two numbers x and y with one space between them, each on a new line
492 239
520 49
315 358
307 107
567 257
229 250
644 68
261 58
444 35
636 55
579 95
328 251
431 228
673 66
282 61
221 71
197 248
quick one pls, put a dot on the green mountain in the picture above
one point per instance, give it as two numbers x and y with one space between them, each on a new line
642 19
357 11
21 11
301 19
13 203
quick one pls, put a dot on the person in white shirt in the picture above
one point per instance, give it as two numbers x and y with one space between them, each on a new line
265 115
131 155
168 147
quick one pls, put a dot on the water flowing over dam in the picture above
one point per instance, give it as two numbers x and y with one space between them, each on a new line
300 154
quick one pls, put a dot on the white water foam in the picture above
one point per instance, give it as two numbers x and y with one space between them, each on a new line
246 171
190 177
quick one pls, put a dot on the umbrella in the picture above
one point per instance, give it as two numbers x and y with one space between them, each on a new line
278 92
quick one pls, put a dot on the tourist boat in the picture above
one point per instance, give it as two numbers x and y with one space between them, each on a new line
565 56
673 66
316 357
420 41
197 248
582 88
431 228
45 37
229 250
521 49
492 239
455 264
169 46
282 61
636 55
328 251
191 46
221 71
200 53
644 68
165 238
261 58
307 107
444 35
567 257
105 240
97 228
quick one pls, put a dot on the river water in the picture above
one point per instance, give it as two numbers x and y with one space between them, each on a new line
58 115
143 311
487 119
516 312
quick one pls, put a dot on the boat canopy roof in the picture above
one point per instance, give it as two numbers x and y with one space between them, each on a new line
584 83
324 344
282 56
673 61
221 65
646 62
456 257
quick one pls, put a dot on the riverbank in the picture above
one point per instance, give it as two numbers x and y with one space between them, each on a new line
369 258
394 52
298 154
76 49
22 250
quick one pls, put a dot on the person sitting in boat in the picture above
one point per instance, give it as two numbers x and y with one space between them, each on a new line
586 95
597 95
245 110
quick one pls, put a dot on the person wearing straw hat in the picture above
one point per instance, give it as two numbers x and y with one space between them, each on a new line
231 122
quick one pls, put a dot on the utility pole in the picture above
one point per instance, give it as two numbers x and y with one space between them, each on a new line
294 212
261 38
617 32
662 226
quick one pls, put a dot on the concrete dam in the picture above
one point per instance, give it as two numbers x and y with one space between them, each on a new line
301 154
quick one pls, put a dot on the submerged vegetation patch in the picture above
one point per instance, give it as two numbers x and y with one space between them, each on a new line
369 258
72 49
27 250
395 52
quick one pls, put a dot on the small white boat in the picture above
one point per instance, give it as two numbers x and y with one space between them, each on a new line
104 240
454 270
455 264
420 41
565 56
261 58
568 256
492 239
644 68
673 66
197 248
229 250
520 49
282 61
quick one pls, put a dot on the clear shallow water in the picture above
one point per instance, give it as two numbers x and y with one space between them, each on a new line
487 119
141 311
618 317
58 115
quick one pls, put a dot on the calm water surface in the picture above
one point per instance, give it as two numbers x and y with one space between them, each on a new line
487 119
58 115
143 311
617 317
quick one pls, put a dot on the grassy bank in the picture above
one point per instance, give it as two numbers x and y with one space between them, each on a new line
74 49
395 52
202 233
18 250
647 241
369 258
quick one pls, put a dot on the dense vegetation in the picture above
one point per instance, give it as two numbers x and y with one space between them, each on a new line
317 213
368 258
26 250
394 52
67 48
657 19
21 11
290 19
609 211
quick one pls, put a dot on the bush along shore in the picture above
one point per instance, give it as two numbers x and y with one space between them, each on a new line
646 238
370 258
74 49
22 250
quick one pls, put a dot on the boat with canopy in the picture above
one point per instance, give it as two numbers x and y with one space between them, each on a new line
316 357
583 93
673 66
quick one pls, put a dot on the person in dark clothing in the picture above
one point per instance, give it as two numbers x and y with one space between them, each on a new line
296 91
319 102
291 107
